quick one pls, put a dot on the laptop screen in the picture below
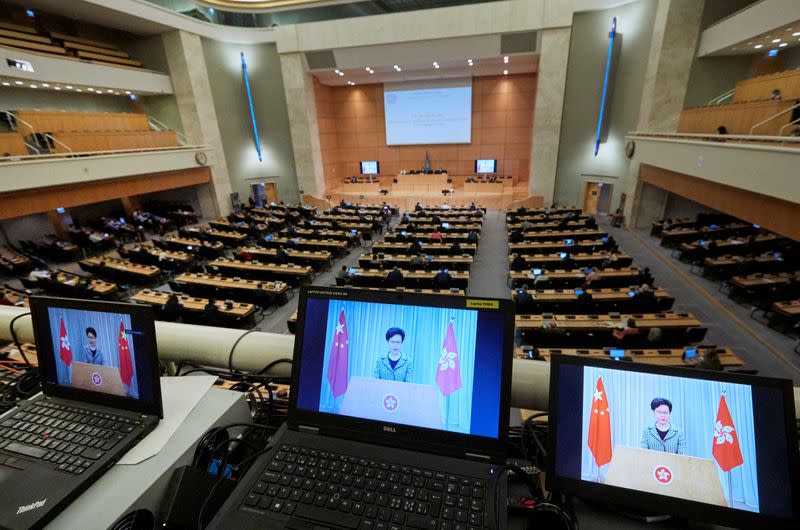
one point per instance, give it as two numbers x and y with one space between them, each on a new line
431 362
100 352
690 443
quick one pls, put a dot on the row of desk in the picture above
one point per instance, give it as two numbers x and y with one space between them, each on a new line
618 277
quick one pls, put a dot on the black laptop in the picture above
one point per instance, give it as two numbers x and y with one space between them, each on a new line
398 416
100 395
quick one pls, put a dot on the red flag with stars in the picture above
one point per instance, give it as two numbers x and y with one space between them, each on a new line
726 448
125 364
338 359
600 426
65 352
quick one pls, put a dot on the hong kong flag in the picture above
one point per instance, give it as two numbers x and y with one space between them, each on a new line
726 448
448 375
338 359
65 352
600 426
125 364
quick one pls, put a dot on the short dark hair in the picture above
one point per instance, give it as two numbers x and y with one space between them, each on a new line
657 402
92 331
395 331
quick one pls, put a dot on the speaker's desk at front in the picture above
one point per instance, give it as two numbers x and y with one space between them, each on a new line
393 402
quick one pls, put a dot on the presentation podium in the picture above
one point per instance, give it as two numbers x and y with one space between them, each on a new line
686 477
393 402
97 378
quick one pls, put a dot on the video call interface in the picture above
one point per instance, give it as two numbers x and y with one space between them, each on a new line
700 440
101 352
404 364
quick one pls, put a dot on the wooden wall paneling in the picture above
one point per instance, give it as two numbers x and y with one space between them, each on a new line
12 143
738 118
27 202
761 87
771 213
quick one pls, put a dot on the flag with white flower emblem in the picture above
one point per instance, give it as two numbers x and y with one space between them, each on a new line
338 360
65 352
726 448
448 370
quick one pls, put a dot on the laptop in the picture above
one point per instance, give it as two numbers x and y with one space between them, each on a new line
58 443
408 445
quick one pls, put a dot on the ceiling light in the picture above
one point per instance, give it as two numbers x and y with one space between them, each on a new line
367 68
776 40
18 82
351 83
758 46
469 62
397 68
90 89
6 83
34 86
69 87
78 90
57 88
796 34
505 59
128 92
337 71
781 45
109 91
505 72
46 85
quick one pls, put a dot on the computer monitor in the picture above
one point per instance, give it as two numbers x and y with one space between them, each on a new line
631 293
536 272
369 167
98 352
453 353
729 455
616 354
486 166
569 241
403 233
713 227
757 227
352 270
562 255
604 239
268 237
353 231
445 225
689 352
579 292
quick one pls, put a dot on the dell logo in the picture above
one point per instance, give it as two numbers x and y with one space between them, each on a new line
389 428
31 506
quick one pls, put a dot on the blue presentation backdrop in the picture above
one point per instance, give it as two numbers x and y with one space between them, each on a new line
694 410
107 326
425 329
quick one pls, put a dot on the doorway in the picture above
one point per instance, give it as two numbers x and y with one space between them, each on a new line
264 193
597 197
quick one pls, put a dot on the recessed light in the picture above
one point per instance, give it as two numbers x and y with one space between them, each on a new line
90 89
469 62
78 90
57 88
367 68
109 91
18 82
128 92
6 83
505 59
337 71
34 86
46 85
775 40
796 34
351 83
69 87
758 46
781 45
505 72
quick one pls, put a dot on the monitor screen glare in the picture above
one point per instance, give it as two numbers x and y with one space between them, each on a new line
369 167
486 166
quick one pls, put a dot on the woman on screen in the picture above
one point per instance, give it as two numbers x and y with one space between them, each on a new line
91 352
662 435
393 365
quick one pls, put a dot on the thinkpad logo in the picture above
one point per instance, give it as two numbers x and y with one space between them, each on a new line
31 506
389 428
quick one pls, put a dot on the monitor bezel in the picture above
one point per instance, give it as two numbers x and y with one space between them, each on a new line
663 504
40 323
399 435
377 167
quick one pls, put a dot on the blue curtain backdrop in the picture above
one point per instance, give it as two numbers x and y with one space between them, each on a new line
694 410
425 329
107 326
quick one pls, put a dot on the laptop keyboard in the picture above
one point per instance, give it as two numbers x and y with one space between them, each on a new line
72 438
362 494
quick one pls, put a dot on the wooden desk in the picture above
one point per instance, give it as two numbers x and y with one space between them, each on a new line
235 288
418 235
313 233
553 246
190 244
335 247
427 248
538 211
587 259
450 213
604 300
376 278
350 225
457 262
344 218
120 265
15 261
293 274
547 225
453 220
98 286
436 180
426 227
761 280
189 303
661 357
618 277
240 227
790 308
555 235
19 298
61 244
731 244
675 235
601 322
226 238
315 258
11 351
659 226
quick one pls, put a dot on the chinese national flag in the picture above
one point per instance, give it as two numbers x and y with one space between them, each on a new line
125 364
65 352
448 375
600 426
726 448
338 358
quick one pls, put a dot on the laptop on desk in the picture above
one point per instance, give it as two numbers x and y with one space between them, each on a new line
398 416
58 443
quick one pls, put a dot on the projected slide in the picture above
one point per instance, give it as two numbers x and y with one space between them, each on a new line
428 113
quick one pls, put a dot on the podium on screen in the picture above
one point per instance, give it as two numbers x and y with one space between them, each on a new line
392 402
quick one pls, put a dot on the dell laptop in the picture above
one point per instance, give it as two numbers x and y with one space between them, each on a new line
101 394
398 416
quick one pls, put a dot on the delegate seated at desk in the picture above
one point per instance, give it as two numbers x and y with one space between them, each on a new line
91 353
662 435
393 365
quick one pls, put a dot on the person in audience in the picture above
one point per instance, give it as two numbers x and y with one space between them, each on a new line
436 236
246 255
654 335
395 277
469 180
644 299
518 263
611 260
436 219
418 207
472 207
38 275
776 94
593 275
211 312
291 231
551 327
516 236
4 300
415 247
541 278
405 219
261 297
172 308
722 130
343 277
455 248
710 361
623 330
442 280
617 218
418 262
522 296
281 256
526 225
472 236
644 276
584 299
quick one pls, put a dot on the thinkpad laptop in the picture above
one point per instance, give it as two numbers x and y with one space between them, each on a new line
55 445
398 416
